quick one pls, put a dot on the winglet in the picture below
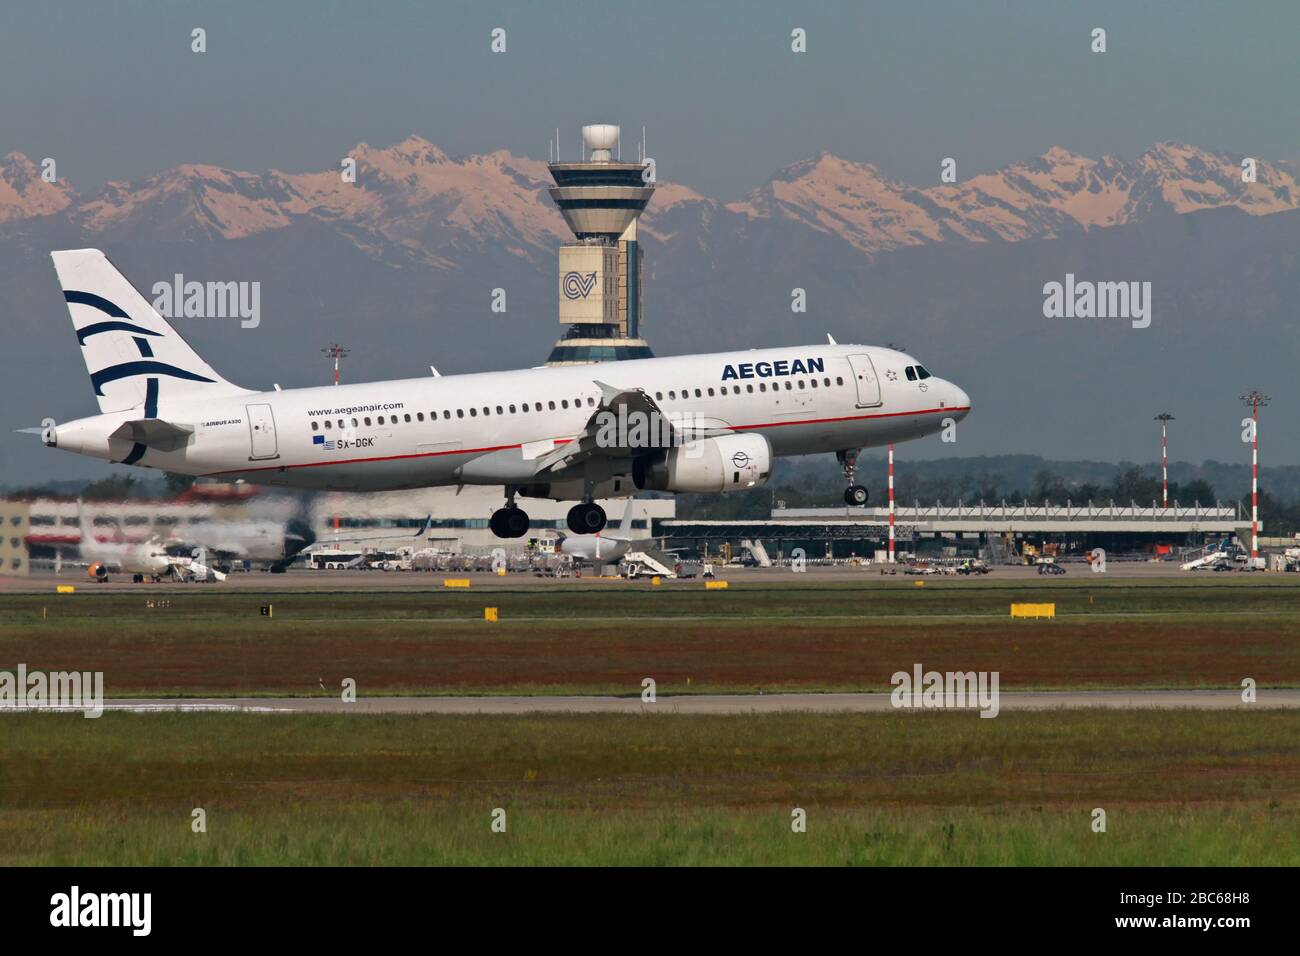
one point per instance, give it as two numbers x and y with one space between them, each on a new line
831 339
607 392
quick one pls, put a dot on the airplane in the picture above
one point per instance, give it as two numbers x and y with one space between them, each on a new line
691 423
149 558
604 546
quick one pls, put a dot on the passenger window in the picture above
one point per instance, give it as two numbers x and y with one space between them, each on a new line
473 413
419 416
367 421
460 413
813 382
354 423
697 393
564 403
446 413
499 412
839 380
406 418
672 395
710 393
381 419
591 401
659 396
315 426
788 387
749 388
551 405
512 409
827 382
328 423
801 384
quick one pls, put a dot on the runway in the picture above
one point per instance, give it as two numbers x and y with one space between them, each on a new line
705 703
1132 573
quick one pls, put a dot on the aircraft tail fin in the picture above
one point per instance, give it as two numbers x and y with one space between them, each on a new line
630 514
132 353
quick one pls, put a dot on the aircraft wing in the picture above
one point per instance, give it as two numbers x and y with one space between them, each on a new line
629 405
327 542
639 425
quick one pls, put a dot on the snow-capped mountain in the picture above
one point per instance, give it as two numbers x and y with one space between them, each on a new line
414 198
24 194
1058 193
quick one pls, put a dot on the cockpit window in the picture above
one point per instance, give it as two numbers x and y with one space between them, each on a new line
910 372
922 373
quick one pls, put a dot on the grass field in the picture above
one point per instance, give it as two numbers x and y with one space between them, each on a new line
899 789
597 639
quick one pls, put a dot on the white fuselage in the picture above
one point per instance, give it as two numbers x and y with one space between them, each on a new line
421 432
141 557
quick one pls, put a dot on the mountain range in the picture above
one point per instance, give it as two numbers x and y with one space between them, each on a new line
415 197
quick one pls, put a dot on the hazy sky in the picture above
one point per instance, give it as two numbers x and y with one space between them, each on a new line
112 90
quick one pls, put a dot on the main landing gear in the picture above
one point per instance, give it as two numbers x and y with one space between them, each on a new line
510 521
586 518
854 494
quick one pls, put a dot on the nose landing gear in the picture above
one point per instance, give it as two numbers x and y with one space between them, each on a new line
855 494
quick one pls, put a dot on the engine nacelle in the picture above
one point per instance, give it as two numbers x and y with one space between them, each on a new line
725 463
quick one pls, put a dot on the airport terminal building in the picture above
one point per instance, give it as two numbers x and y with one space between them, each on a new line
994 532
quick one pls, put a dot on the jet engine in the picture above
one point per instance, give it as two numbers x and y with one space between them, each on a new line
725 463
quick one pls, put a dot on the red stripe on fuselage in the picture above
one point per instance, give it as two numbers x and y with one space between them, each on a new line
564 441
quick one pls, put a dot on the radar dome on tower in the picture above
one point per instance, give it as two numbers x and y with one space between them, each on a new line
601 139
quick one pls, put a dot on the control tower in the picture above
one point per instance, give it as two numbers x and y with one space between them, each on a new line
600 273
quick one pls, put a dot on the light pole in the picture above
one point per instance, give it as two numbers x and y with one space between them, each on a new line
336 352
1164 418
891 503
1254 400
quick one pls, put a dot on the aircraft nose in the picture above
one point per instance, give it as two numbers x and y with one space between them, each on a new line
960 399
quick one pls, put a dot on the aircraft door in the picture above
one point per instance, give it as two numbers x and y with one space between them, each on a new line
864 376
261 429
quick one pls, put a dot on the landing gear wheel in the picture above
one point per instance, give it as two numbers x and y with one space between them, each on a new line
586 518
516 522
854 494
509 522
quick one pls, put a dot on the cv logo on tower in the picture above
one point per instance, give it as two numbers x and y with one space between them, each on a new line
578 285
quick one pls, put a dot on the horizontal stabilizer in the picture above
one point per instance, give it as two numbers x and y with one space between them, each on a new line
154 433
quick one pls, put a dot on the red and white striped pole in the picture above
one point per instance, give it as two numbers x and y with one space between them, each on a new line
336 352
1254 481
891 504
1254 400
1164 418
